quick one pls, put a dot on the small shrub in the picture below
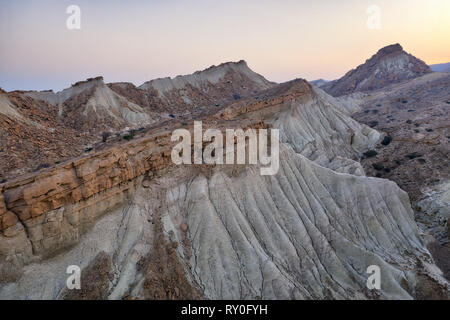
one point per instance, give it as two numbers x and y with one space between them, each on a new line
373 124
370 153
3 180
413 155
387 139
429 130
128 137
377 166
408 121
172 116
42 166
236 96
88 149
404 101
387 170
411 110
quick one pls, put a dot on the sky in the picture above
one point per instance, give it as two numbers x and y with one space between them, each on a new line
136 40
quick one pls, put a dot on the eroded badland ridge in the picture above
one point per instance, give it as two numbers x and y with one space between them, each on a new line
414 113
141 227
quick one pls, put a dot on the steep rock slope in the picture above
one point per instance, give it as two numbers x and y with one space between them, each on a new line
32 135
389 65
306 233
92 106
227 232
211 87
312 123
148 99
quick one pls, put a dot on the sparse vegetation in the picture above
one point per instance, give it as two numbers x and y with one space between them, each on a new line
130 135
387 140
42 166
421 160
413 155
370 153
378 166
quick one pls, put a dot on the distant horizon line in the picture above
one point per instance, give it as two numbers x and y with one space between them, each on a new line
179 75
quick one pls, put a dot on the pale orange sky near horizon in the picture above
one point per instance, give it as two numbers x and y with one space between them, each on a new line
140 40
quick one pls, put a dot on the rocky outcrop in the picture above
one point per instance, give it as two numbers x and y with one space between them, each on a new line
92 106
212 87
41 129
51 208
312 123
389 65
32 135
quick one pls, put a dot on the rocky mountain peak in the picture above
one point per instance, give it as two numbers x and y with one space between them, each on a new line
390 49
389 65
90 82
211 87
